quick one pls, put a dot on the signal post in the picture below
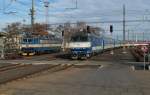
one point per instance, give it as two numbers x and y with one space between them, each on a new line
111 32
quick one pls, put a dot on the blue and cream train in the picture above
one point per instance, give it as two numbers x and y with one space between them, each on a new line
38 45
84 45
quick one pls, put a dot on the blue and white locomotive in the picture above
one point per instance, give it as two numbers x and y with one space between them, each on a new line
40 44
84 44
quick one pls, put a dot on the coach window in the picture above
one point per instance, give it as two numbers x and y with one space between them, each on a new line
29 40
24 40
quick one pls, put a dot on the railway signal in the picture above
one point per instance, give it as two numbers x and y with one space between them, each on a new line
63 33
111 31
111 28
88 29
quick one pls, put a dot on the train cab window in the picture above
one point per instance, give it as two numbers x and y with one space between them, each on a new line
79 38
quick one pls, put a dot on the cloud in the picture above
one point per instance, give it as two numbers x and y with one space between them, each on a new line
88 10
104 9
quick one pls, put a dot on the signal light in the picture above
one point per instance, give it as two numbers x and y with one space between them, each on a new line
63 33
88 29
111 28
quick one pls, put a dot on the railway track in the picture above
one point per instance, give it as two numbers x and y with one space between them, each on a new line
14 72
11 67
48 57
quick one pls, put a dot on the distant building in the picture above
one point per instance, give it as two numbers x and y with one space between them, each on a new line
2 39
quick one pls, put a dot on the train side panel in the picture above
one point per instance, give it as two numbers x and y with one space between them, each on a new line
32 46
97 44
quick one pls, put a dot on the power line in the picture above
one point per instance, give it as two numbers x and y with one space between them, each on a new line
46 5
124 23
27 5
111 21
120 30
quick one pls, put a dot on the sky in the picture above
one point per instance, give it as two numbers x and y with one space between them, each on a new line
87 10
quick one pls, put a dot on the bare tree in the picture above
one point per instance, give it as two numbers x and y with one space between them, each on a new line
12 38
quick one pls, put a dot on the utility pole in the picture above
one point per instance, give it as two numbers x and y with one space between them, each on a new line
32 16
128 38
112 41
136 37
117 37
143 36
46 5
124 28
76 4
124 19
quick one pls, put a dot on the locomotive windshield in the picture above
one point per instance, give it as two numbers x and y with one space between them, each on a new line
79 38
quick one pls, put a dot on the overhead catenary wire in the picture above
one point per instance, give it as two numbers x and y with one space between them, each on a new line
38 1
110 13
